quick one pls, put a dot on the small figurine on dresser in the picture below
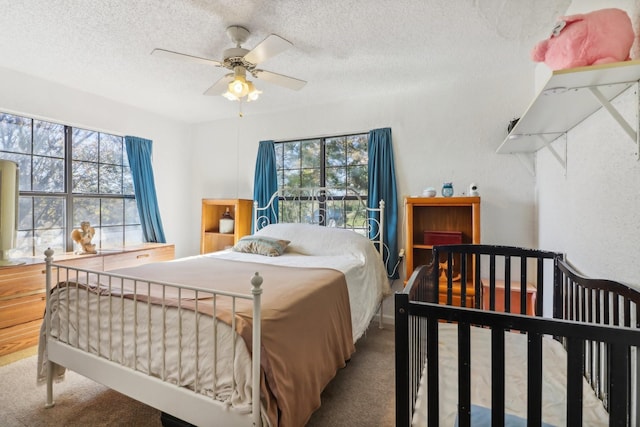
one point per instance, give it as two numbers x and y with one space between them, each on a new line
83 237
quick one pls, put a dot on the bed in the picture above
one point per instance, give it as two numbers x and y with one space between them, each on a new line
180 335
576 364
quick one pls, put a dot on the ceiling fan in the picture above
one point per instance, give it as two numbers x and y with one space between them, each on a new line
235 86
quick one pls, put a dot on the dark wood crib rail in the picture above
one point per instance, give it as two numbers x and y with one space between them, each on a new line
580 304
618 339
472 257
596 301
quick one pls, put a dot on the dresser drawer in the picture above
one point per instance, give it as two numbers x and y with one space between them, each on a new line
20 280
143 256
22 309
19 337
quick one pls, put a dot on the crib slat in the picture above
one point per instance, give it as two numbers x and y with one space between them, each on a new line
433 374
619 385
534 379
497 377
575 369
507 284
464 375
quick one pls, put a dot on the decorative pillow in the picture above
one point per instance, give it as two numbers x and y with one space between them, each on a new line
261 245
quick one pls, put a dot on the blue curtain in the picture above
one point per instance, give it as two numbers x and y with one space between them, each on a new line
382 186
265 180
139 152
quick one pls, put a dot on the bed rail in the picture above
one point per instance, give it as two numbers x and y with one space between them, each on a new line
109 350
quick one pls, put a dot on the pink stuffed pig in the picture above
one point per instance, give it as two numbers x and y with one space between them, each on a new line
598 37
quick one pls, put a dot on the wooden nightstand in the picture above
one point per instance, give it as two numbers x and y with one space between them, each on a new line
515 297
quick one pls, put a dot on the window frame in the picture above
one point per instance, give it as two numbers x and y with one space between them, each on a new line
69 197
348 196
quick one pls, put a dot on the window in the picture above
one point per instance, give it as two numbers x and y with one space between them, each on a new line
336 162
69 175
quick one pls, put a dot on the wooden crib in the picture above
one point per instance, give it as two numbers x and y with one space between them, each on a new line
592 338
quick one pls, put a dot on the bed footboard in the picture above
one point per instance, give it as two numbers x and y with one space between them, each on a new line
160 343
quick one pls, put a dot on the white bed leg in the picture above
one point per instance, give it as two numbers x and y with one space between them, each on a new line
49 403
48 260
256 281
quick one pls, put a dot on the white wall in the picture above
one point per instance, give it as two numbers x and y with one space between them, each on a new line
589 211
22 94
449 134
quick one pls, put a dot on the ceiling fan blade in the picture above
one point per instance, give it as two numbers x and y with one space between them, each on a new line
271 46
220 86
280 80
177 55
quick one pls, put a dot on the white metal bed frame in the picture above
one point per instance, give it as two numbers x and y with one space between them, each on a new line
186 404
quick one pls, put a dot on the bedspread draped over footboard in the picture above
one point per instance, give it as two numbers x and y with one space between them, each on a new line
305 318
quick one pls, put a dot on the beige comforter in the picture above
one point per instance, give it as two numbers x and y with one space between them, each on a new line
306 324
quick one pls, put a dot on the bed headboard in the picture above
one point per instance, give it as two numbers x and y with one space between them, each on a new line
323 206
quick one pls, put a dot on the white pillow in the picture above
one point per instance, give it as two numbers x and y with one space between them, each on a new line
309 239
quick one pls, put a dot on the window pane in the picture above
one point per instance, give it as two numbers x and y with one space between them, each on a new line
358 179
133 235
357 151
336 177
355 216
279 148
84 145
15 134
110 149
86 209
336 152
54 239
310 153
110 179
291 178
24 245
48 213
127 182
85 177
310 178
48 174
111 237
48 139
112 212
25 213
291 155
131 215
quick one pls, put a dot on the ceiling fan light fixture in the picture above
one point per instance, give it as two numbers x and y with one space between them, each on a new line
230 96
239 86
254 93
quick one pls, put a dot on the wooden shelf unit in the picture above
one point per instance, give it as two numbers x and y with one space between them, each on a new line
22 288
422 214
211 240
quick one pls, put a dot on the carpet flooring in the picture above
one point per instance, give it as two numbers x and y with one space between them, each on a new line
361 394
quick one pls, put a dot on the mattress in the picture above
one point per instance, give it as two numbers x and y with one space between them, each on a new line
554 381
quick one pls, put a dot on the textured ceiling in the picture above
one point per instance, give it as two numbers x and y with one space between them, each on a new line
343 48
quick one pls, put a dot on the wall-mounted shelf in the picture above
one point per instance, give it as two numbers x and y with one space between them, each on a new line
568 98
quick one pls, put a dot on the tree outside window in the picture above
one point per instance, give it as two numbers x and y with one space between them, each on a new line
69 175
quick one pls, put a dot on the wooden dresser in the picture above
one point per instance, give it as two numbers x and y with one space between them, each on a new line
22 288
